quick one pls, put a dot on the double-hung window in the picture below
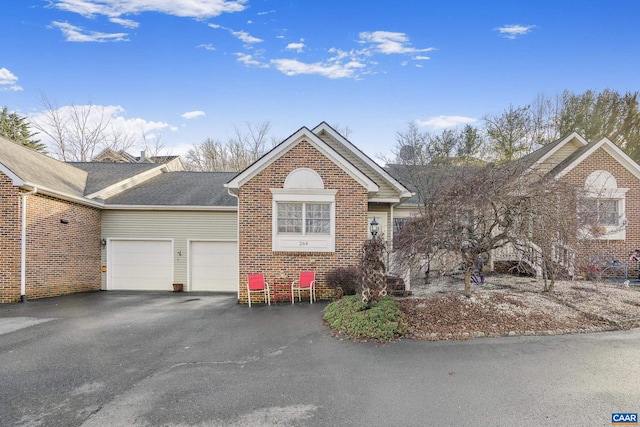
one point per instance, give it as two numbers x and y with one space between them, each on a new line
304 218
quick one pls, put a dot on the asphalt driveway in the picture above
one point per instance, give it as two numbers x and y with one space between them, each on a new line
154 359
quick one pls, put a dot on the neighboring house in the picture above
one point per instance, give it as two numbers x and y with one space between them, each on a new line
610 178
305 205
120 156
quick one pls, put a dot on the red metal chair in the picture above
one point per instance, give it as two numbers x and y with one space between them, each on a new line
306 282
256 285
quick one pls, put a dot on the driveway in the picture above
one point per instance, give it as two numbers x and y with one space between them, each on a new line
156 359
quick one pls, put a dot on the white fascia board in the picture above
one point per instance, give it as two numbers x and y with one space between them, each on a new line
63 196
128 183
558 146
15 179
404 192
612 150
169 208
233 185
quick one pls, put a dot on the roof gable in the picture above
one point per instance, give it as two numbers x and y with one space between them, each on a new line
609 147
364 162
302 135
553 153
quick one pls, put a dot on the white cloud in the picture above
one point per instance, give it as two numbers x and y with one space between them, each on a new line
388 42
240 35
8 81
441 122
199 9
250 60
334 70
298 47
421 58
118 124
267 12
246 37
513 31
193 114
75 34
206 46
127 23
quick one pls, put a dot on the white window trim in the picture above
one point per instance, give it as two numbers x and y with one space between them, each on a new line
309 242
612 232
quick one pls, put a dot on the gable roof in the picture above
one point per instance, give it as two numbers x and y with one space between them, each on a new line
543 154
581 154
363 169
29 168
389 185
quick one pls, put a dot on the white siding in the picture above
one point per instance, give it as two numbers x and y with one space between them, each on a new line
179 226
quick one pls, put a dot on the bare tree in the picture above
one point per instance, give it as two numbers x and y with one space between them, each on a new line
342 130
236 154
78 131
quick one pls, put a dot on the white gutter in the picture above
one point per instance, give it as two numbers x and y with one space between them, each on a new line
23 246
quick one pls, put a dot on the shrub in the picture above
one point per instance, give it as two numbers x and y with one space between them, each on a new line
346 278
350 316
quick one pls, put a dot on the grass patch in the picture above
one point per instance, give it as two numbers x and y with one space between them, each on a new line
350 316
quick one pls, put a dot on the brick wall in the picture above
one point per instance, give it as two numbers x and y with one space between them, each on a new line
601 160
9 241
255 221
61 258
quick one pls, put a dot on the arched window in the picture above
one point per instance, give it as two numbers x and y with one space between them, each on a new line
605 205
303 214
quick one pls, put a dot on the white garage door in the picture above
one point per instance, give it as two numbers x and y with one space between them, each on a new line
140 265
213 266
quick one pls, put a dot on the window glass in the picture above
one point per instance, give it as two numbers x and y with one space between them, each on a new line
608 212
318 218
603 211
290 218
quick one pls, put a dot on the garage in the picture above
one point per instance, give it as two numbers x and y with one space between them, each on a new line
145 265
213 266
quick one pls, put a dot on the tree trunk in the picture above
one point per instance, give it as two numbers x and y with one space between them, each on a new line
467 282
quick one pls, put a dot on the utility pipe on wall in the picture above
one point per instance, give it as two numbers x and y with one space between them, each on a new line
23 248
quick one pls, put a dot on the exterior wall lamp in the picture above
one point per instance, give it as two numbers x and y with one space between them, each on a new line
374 227
103 242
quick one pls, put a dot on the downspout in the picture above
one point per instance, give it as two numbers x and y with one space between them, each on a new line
23 248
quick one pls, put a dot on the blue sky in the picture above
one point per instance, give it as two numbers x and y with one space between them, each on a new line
187 70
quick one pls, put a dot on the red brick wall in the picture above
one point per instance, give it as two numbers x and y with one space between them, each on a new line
255 221
61 258
9 241
601 160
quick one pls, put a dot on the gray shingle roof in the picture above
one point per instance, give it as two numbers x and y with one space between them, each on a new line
41 170
102 175
179 189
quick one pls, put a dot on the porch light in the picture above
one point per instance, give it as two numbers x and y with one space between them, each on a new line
373 227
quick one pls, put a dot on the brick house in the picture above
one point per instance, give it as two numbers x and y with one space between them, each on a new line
44 249
306 204
610 178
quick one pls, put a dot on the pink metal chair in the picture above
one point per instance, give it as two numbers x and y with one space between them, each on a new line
306 282
256 285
